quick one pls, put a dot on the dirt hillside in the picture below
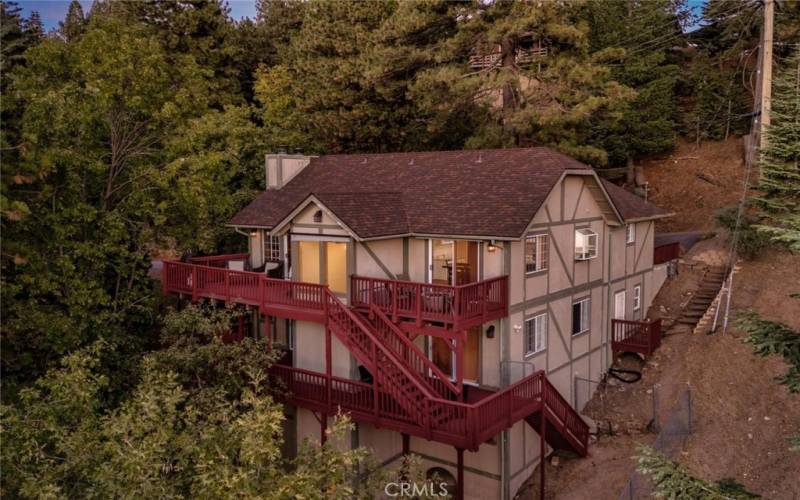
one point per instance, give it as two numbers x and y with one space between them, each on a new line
741 416
694 182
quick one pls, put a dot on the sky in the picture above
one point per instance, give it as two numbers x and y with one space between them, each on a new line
53 11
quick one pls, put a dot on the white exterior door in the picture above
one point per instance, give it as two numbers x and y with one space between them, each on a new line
619 305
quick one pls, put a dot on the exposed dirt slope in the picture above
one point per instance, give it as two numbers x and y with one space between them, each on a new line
694 182
741 415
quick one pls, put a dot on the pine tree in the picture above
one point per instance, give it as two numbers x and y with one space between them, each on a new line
645 32
779 163
74 23
33 27
522 98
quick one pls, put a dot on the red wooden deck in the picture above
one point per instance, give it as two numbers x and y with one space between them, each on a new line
463 425
459 307
642 337
408 392
666 253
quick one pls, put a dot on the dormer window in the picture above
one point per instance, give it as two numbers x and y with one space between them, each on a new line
585 244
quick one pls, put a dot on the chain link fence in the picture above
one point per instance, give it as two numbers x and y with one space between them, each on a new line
672 419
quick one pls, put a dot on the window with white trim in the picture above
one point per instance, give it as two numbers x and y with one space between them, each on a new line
272 248
630 233
535 334
637 297
585 244
580 316
535 253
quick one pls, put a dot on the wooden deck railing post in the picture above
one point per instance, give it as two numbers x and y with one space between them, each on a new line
328 365
194 284
375 400
418 300
262 300
485 300
393 288
227 285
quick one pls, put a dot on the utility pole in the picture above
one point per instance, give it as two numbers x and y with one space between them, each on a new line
766 70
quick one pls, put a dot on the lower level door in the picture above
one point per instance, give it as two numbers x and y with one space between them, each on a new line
472 355
444 357
619 305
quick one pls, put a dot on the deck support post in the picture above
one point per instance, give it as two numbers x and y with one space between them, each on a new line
542 450
406 444
328 366
460 474
323 428
460 341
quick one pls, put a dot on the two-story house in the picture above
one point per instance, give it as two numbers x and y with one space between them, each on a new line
446 300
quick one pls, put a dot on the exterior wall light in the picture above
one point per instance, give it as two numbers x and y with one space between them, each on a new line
318 216
490 332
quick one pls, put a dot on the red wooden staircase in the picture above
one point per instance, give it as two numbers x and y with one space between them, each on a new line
408 393
411 395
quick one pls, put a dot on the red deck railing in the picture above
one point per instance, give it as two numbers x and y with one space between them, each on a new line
408 352
408 393
459 424
666 253
294 299
219 260
460 306
643 337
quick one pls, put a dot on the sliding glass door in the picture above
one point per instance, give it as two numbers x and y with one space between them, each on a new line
453 262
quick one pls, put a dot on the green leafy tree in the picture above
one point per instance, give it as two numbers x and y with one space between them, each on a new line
216 167
779 163
200 29
82 209
200 420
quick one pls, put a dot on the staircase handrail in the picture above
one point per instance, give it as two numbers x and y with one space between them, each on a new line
416 351
379 345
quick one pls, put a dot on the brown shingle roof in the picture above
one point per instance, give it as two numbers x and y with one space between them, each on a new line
630 206
458 193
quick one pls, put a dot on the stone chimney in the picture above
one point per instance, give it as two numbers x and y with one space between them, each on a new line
281 167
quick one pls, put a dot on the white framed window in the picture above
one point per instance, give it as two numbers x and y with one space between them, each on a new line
535 253
637 297
580 316
535 334
272 248
585 244
630 233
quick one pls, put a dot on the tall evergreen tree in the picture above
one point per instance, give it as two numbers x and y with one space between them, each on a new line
33 27
779 164
645 33
319 98
549 102
74 23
